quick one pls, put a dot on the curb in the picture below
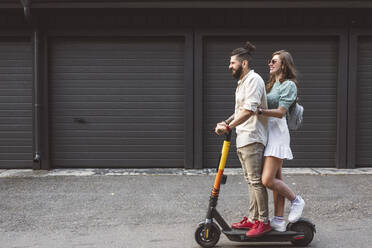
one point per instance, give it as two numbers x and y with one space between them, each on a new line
161 172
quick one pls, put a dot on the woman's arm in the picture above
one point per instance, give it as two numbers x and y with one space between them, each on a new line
278 113
287 95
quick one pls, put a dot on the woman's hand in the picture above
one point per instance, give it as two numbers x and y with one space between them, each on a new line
258 111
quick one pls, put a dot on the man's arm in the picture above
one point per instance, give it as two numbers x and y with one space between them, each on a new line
240 118
244 115
230 119
253 95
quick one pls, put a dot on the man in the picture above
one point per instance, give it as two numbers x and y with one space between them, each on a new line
251 137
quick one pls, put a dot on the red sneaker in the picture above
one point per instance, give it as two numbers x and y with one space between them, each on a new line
244 224
259 230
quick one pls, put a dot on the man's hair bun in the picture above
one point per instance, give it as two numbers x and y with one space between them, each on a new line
249 47
245 52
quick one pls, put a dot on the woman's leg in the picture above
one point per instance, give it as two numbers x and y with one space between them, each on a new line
279 200
270 170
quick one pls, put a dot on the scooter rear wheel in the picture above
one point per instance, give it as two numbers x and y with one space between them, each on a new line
211 238
306 229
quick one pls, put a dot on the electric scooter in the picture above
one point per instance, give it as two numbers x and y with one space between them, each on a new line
208 233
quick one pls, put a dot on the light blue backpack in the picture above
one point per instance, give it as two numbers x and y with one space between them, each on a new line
295 116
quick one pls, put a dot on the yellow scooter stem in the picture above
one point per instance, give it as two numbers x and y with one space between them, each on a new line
221 166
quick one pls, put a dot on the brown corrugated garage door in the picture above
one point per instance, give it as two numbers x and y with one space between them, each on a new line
364 103
316 59
16 103
117 102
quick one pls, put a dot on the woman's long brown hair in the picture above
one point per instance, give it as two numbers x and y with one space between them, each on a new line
287 71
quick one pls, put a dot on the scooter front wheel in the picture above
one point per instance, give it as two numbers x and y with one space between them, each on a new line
306 229
207 237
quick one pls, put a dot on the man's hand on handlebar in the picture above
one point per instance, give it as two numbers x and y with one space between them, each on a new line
221 128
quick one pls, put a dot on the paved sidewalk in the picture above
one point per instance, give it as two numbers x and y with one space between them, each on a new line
133 172
91 208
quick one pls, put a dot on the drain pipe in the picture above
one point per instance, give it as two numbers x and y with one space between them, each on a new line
36 83
27 9
36 100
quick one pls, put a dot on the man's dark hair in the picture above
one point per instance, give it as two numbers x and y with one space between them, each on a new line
245 52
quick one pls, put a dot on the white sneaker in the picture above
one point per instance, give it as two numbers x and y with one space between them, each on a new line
278 225
296 209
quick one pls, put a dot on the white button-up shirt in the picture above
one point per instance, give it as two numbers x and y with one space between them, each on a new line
251 94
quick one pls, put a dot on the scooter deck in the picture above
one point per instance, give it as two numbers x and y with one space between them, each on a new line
272 236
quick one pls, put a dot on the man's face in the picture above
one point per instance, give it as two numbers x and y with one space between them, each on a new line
235 67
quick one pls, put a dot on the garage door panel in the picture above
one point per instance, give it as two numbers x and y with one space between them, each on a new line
119 155
119 91
119 112
119 76
113 120
119 127
303 143
13 141
17 120
14 127
16 106
20 150
118 102
120 98
120 148
117 105
113 163
21 157
97 141
312 162
22 72
364 103
15 113
25 137
15 103
132 84
317 98
17 92
318 87
168 69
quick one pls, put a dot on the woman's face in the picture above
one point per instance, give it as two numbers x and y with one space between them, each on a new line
275 64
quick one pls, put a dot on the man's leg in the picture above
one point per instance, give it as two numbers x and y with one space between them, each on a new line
253 208
253 160
252 157
247 223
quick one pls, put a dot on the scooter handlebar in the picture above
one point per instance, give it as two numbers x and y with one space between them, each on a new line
228 136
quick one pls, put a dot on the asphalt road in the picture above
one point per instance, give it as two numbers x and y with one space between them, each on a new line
163 210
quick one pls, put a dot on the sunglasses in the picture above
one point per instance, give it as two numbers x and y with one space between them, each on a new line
272 61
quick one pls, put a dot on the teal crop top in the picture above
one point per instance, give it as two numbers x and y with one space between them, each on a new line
282 95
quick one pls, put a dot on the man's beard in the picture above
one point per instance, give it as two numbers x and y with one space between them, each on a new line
238 72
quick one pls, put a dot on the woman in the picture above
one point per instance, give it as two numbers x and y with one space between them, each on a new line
281 94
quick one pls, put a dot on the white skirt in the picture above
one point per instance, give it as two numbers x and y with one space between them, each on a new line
278 139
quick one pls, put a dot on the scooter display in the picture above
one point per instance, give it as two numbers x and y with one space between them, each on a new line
208 232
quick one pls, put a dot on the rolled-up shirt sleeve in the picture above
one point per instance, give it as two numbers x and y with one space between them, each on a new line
253 91
288 94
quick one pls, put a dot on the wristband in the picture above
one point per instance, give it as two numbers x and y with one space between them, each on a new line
228 128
